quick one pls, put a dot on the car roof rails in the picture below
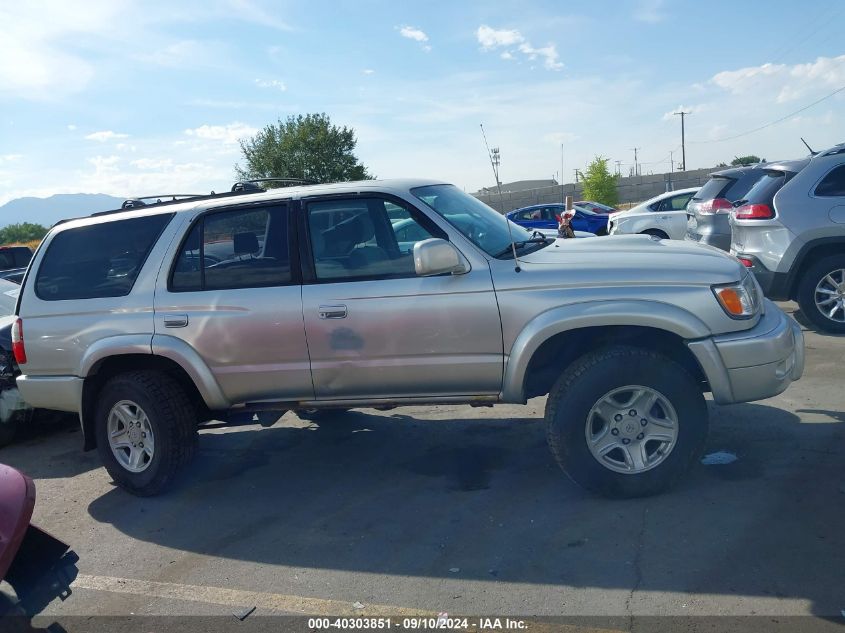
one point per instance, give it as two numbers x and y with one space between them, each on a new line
253 185
138 201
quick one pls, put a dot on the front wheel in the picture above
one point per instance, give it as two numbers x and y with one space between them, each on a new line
146 430
626 422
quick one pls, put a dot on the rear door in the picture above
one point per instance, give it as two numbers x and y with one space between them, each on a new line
234 296
375 329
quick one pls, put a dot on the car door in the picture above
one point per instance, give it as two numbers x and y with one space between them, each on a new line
376 330
233 296
672 215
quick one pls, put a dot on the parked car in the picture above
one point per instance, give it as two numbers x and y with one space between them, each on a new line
708 213
663 216
624 335
595 207
790 232
547 216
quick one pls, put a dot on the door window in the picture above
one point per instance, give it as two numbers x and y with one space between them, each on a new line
243 248
364 238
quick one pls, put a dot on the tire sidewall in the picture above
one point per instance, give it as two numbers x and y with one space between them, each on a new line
807 292
124 389
630 366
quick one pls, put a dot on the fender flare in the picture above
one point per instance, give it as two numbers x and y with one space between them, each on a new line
651 314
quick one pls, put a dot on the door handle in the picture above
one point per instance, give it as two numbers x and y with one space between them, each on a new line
333 312
175 320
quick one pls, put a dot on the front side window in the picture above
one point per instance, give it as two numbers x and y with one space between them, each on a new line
833 184
242 248
98 260
364 238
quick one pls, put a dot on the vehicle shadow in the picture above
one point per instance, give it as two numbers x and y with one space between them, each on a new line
49 447
385 493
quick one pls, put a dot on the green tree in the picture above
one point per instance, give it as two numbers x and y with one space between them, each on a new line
304 146
22 232
751 159
599 183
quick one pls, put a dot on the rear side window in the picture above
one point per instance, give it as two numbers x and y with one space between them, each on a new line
242 248
22 257
833 184
101 260
7 259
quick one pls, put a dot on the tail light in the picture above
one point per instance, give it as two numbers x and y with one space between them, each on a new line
754 212
18 348
746 262
716 205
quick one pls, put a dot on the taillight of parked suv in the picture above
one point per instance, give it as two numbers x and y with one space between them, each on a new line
18 348
716 205
754 212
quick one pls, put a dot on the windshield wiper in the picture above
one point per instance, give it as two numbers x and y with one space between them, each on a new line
536 238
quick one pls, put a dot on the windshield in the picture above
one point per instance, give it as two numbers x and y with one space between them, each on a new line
483 226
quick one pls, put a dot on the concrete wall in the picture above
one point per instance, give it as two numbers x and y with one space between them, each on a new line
632 189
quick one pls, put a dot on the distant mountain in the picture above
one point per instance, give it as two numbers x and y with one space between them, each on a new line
48 211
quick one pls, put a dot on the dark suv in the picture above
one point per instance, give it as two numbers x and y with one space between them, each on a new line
708 213
13 262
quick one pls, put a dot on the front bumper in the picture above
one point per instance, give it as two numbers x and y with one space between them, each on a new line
754 364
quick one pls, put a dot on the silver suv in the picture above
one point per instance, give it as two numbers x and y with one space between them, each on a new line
381 294
789 230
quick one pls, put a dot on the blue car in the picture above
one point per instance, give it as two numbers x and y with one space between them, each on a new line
546 216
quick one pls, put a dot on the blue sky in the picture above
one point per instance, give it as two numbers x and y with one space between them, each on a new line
131 98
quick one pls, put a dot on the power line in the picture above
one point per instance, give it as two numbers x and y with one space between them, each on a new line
775 122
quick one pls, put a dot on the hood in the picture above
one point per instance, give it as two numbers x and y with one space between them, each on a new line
621 259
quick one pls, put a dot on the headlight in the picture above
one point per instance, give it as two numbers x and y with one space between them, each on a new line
740 300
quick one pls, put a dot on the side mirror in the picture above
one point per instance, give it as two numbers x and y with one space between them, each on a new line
436 256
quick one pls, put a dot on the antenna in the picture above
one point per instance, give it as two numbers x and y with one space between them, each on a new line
495 159
812 153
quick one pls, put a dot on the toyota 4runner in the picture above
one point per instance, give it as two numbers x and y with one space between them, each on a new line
147 320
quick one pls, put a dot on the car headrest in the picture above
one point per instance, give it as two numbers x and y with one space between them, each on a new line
246 243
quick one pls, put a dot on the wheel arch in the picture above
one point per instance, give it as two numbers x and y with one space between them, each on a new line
810 253
108 366
554 339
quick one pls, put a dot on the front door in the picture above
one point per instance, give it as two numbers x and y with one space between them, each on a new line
375 329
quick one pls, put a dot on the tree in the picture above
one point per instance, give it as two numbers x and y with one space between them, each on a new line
24 232
307 147
751 159
599 183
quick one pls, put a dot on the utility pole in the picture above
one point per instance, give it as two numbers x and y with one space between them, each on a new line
636 166
562 192
618 167
671 164
683 143
496 157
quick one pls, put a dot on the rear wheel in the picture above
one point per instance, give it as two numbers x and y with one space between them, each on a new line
146 430
626 422
821 294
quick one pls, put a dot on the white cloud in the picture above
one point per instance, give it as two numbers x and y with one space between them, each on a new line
669 116
71 127
152 163
10 158
787 82
413 33
490 39
183 54
271 83
105 135
104 164
229 134
650 11
368 71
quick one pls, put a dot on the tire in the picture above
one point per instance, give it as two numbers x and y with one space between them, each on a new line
322 415
165 412
833 265
587 382
656 233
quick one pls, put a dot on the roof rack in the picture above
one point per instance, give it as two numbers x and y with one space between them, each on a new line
253 185
133 203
